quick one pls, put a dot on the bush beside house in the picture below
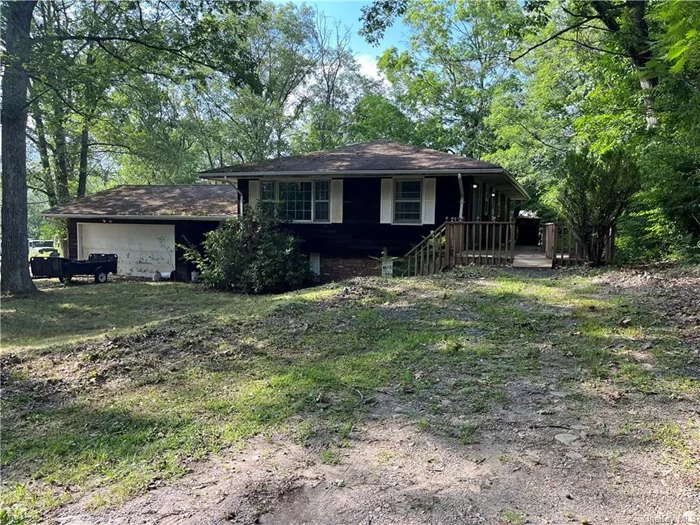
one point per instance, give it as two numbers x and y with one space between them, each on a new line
252 254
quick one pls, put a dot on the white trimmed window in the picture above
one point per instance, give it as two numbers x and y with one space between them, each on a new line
322 201
303 201
268 191
407 201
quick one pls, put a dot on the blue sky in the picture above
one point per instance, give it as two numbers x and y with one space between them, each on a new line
349 12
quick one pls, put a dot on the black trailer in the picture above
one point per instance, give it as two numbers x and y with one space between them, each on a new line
97 264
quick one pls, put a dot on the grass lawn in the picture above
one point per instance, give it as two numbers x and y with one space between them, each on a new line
110 389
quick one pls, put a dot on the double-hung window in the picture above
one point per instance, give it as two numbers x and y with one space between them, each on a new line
268 191
322 201
407 201
304 201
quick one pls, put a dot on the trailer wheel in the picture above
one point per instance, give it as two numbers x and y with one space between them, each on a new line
100 276
65 279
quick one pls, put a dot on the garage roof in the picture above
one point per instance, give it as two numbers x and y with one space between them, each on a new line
175 201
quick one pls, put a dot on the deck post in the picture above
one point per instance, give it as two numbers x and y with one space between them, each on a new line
493 243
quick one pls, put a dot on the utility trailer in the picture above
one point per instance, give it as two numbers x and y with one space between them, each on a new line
97 264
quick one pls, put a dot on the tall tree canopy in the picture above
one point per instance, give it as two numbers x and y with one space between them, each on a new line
602 75
151 92
71 57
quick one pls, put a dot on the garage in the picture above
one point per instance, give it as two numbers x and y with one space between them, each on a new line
143 249
146 226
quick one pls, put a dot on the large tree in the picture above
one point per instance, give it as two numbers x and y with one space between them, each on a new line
151 38
458 59
17 19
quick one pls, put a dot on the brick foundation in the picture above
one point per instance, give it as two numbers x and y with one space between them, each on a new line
339 268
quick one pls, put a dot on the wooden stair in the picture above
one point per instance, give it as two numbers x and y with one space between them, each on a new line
461 243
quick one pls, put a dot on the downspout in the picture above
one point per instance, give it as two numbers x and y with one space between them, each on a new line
240 196
461 197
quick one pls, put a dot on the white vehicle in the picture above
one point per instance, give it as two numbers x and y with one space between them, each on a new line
38 243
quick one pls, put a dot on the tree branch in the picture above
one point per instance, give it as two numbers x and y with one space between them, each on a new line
179 52
534 136
593 48
125 61
554 36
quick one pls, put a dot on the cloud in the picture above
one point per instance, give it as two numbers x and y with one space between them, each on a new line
368 67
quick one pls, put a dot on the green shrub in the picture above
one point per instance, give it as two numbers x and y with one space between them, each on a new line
592 194
252 254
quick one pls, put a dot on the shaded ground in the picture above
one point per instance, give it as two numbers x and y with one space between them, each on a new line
482 396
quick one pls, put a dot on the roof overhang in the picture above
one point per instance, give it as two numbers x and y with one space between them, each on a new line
508 186
142 218
498 177
344 173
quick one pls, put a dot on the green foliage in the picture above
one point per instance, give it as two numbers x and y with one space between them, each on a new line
458 59
252 254
645 234
582 89
593 193
379 16
682 38
13 517
375 117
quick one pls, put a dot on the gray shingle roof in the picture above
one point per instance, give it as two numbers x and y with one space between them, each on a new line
379 155
181 200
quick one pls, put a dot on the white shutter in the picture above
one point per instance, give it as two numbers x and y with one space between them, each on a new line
337 200
253 193
387 211
428 201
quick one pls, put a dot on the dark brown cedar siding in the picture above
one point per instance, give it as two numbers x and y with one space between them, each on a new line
186 232
361 233
72 239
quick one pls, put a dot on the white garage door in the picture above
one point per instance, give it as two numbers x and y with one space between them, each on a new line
143 249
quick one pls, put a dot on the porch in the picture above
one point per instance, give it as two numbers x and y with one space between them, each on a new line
464 243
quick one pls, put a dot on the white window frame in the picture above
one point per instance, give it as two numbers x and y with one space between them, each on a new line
313 197
313 201
394 200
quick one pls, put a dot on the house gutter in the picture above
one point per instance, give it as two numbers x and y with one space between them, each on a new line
516 184
345 173
141 217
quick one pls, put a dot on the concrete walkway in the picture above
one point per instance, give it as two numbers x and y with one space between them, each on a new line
531 257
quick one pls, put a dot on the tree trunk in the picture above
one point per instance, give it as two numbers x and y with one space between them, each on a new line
85 134
15 277
83 166
43 147
61 153
639 48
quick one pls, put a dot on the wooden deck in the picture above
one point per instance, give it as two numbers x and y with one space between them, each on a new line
531 257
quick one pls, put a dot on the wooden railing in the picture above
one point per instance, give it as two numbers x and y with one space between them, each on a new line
460 243
427 257
560 245
479 243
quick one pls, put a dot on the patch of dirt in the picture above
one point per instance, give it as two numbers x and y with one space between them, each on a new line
392 473
102 361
